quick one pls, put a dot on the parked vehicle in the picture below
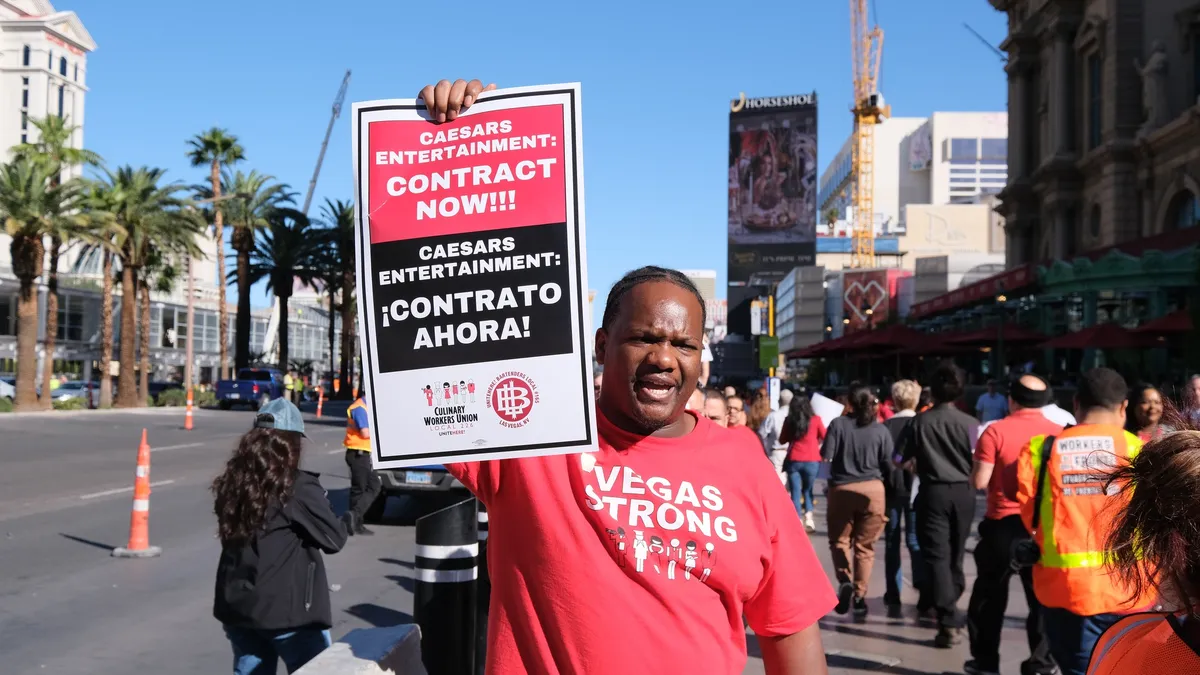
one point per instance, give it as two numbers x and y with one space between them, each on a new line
77 389
8 388
253 387
419 483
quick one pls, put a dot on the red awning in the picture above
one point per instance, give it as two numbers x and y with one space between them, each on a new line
1175 322
1101 336
1007 282
988 336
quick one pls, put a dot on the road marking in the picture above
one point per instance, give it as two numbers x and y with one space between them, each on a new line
336 452
118 491
177 447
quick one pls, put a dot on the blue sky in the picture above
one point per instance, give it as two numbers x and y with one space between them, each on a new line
657 79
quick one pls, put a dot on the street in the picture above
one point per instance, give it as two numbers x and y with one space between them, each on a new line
67 607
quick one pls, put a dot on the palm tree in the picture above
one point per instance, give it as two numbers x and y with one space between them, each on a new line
159 274
32 206
217 147
53 150
339 248
337 256
103 201
257 195
286 251
151 216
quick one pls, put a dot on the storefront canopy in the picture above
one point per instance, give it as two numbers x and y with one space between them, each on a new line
1101 336
988 336
1175 322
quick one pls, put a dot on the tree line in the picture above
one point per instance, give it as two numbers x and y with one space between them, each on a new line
146 229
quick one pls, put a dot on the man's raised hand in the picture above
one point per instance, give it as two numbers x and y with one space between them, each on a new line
446 99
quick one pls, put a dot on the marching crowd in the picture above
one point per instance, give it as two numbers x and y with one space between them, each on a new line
1081 508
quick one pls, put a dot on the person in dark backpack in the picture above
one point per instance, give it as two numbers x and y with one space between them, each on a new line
274 521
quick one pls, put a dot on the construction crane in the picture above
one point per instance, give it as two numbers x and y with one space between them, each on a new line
866 42
337 112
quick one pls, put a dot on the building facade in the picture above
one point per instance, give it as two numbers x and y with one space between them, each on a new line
43 69
1103 122
946 158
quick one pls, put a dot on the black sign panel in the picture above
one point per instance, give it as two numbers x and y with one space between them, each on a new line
470 298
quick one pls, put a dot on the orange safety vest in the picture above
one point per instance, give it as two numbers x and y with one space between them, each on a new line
354 436
1144 643
1076 517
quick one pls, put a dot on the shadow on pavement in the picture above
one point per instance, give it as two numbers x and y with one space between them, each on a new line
847 662
89 542
407 583
403 563
862 632
381 617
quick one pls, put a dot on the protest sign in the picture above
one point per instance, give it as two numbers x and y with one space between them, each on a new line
472 279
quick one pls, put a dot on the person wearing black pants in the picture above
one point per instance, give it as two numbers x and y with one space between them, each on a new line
989 598
946 512
364 484
940 440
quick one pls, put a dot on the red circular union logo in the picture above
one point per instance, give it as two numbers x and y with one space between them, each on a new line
512 397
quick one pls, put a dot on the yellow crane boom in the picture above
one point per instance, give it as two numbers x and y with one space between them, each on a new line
866 42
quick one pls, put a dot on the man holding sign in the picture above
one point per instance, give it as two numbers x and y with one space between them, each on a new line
658 542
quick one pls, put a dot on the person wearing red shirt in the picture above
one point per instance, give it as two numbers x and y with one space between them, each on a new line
803 432
725 542
995 470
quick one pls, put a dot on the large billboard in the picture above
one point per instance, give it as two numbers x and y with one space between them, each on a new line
869 297
772 186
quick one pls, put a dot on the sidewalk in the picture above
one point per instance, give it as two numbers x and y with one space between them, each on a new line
899 646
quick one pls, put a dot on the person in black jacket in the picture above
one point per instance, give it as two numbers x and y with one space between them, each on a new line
901 516
274 520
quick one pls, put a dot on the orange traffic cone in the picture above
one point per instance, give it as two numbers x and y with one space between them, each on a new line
320 401
187 420
139 523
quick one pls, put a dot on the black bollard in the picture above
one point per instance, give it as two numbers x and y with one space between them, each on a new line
483 595
444 596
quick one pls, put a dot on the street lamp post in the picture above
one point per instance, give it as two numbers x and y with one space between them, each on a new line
1001 300
869 312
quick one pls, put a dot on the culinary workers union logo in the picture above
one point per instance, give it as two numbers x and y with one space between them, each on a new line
512 396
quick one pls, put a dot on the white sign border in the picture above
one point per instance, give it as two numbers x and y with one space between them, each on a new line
572 116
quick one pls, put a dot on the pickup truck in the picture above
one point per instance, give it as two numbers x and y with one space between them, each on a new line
419 483
253 387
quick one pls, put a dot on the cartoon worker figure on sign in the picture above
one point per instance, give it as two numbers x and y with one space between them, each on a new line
672 555
640 550
657 548
446 392
709 561
428 391
471 389
462 392
689 560
457 397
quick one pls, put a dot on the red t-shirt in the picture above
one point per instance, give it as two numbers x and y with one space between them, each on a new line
650 550
807 449
749 434
1000 444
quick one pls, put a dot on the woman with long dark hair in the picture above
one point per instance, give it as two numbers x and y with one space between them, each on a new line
803 432
1153 546
273 520
859 450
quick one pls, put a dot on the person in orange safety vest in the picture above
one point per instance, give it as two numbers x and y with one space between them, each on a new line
1061 487
1153 545
364 484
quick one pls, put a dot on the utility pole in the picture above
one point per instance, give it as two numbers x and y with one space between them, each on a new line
337 111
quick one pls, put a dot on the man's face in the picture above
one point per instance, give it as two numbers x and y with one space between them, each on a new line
991 388
1196 388
651 354
715 410
596 382
737 412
